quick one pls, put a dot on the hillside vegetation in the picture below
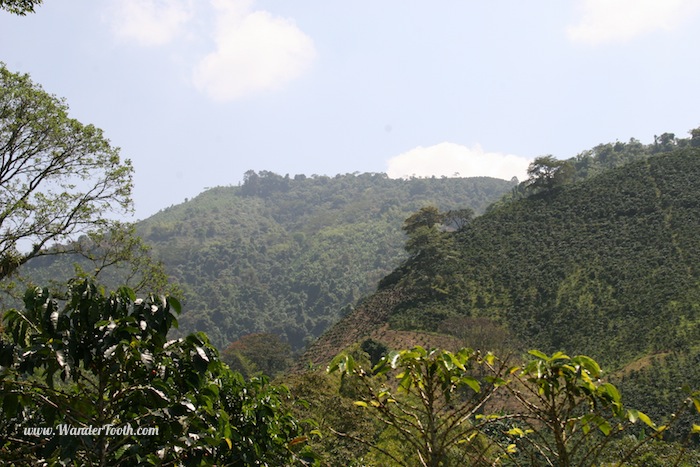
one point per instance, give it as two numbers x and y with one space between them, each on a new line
603 263
288 255
606 267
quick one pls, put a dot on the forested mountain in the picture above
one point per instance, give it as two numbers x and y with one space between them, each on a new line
606 266
287 254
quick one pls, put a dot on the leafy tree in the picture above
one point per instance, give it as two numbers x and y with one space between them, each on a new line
435 405
97 360
426 217
458 219
547 172
448 408
695 137
120 256
262 353
19 7
665 143
58 177
568 416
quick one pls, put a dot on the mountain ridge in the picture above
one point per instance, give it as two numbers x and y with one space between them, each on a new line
586 268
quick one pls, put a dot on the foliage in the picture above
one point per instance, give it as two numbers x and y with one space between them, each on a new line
547 173
329 412
95 360
441 399
571 415
657 382
19 7
591 267
286 255
553 410
117 256
258 353
603 266
58 177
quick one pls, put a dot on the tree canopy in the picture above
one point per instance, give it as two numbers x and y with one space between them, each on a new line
19 7
100 365
58 177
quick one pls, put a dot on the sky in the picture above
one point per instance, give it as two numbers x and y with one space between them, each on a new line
197 92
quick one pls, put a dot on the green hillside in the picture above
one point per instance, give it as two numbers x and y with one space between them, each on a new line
288 255
606 266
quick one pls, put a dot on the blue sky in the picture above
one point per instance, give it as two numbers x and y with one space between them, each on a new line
197 92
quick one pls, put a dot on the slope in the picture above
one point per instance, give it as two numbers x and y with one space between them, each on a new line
288 255
606 267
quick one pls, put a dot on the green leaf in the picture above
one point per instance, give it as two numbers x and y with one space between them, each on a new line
538 354
456 362
175 304
589 364
202 354
471 382
633 415
604 427
611 391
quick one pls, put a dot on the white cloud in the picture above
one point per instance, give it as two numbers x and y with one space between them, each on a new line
608 21
149 22
255 51
449 158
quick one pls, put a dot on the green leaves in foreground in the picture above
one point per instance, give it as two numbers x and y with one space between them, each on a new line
95 360
465 407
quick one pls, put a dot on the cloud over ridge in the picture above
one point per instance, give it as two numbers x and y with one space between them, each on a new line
449 159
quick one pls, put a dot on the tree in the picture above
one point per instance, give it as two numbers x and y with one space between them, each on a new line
568 416
261 352
19 7
102 363
458 219
435 405
547 173
664 143
451 407
425 217
125 256
58 177
695 137
422 230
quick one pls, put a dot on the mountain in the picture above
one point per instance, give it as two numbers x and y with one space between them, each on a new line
284 255
606 266
290 255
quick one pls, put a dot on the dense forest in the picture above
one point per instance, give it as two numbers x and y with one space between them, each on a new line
288 255
549 322
597 255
